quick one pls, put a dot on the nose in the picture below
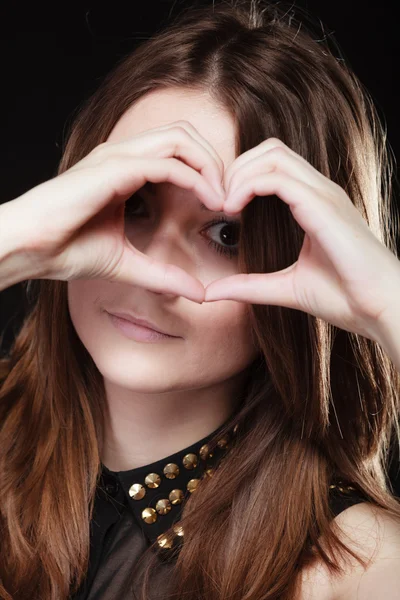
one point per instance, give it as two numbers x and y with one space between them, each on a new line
168 245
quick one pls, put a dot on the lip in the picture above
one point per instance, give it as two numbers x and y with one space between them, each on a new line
140 321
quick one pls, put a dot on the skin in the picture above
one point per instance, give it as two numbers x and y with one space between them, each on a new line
164 396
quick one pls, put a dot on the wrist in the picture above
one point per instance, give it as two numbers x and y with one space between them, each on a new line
387 332
17 263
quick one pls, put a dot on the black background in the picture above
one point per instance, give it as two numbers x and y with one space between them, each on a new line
54 55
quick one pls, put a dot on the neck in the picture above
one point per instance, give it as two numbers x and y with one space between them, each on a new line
141 428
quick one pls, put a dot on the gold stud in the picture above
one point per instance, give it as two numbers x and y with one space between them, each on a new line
190 461
208 472
152 480
164 542
178 530
346 489
192 485
204 452
223 442
137 491
171 470
176 496
163 506
149 515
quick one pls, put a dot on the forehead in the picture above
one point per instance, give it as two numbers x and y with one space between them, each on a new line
164 107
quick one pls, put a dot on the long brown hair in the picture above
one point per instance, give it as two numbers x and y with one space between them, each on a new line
321 404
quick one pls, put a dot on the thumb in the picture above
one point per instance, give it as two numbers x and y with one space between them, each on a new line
255 288
136 268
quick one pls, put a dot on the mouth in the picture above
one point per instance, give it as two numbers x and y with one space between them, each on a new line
138 329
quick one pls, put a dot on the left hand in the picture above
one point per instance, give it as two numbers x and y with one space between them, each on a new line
344 274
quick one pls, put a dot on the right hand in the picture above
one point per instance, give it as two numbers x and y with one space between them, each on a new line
73 225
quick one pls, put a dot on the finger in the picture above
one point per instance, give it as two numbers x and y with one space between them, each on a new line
275 153
337 225
277 159
204 142
292 191
308 206
124 175
275 289
136 268
180 141
103 188
172 170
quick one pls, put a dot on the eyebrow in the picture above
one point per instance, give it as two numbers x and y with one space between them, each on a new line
150 188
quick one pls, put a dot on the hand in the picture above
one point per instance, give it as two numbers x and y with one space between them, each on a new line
344 274
72 226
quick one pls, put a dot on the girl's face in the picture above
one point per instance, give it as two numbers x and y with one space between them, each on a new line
213 342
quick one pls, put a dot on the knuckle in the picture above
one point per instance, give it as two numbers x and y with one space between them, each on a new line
181 133
273 142
184 123
277 141
275 157
98 155
278 151
112 162
100 150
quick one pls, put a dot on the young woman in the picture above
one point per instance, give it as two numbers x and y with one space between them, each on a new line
229 186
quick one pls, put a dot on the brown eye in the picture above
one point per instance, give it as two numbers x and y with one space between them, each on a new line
131 206
229 233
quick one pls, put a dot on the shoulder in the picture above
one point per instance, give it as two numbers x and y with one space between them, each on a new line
375 537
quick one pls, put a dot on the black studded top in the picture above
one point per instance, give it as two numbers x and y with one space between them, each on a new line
135 508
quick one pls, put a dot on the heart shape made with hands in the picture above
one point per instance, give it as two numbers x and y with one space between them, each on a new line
343 274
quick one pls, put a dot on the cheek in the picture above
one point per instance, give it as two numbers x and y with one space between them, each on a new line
217 342
82 298
223 335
